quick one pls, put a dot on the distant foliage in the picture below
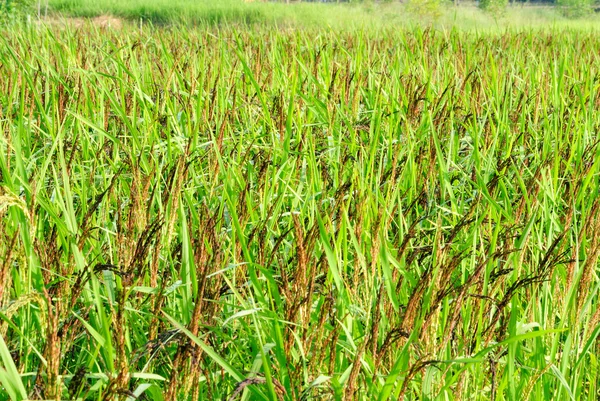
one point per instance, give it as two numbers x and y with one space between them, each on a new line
11 9
497 7
575 8
425 8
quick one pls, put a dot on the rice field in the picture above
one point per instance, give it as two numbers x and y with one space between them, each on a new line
252 213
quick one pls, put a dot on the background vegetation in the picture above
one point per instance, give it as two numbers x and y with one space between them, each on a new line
300 214
439 13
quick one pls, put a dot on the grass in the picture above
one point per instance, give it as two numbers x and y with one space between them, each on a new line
162 12
346 17
303 214
211 12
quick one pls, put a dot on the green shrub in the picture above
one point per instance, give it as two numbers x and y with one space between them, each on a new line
575 8
493 6
425 8
11 9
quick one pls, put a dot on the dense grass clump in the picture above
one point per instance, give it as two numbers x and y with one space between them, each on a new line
301 215
204 12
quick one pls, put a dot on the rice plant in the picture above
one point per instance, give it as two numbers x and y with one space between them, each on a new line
227 213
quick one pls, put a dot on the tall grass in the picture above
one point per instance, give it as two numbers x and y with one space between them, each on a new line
343 16
300 215
209 12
